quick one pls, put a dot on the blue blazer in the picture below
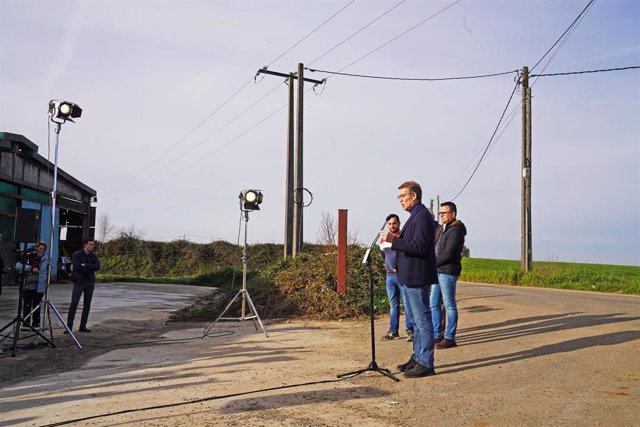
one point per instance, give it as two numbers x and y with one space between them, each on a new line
415 249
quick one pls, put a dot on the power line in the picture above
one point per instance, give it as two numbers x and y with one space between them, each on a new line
357 32
184 138
603 70
217 130
398 36
313 31
489 143
220 147
564 33
421 79
192 131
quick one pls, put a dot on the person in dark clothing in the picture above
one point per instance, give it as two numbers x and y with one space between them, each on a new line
85 264
395 291
35 283
416 269
449 244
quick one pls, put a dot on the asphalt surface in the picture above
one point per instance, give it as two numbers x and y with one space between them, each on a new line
143 301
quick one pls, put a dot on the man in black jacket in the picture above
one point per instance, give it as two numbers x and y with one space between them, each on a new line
85 264
449 244
416 269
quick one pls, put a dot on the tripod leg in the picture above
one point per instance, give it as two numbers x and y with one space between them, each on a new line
227 307
64 324
255 312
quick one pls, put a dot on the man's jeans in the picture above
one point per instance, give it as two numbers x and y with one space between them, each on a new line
395 291
418 304
444 291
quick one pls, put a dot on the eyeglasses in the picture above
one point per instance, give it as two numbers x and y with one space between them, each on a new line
402 196
444 213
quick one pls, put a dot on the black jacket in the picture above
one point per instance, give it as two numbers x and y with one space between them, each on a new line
449 243
84 267
415 255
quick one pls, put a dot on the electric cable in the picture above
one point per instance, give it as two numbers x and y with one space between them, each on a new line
220 147
489 143
423 79
563 34
559 43
312 31
183 139
356 33
183 154
510 117
568 35
398 36
192 131
191 402
570 73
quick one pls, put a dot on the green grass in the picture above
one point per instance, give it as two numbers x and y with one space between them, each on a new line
561 275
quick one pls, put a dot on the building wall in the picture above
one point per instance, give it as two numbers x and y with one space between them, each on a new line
26 181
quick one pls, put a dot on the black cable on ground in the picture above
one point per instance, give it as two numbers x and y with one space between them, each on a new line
190 402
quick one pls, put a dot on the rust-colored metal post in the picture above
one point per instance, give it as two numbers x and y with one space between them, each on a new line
342 252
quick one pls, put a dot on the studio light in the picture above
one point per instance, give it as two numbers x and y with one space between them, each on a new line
251 199
61 111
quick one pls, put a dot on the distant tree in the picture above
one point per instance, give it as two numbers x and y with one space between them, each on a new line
327 234
131 232
327 231
105 228
466 253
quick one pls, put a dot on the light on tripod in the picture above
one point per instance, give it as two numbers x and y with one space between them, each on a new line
251 199
63 110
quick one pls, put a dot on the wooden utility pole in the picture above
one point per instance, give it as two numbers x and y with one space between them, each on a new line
288 202
525 247
294 198
299 184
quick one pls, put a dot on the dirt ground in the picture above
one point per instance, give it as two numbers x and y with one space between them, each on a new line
525 357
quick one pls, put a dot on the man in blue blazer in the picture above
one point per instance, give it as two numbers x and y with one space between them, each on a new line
416 269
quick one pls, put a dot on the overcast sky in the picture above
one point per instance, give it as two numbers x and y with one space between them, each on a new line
174 126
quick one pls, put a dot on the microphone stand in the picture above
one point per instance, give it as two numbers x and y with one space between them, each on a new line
373 366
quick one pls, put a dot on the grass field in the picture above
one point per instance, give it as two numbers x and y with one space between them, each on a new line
560 275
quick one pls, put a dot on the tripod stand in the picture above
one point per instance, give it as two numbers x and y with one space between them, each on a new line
243 293
373 366
48 304
19 321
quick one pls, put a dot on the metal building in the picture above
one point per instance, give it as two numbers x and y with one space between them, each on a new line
26 181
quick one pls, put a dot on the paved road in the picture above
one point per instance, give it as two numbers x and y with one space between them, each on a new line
143 301
525 357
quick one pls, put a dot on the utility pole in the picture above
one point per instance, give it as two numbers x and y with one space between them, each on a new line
288 207
294 198
299 184
525 247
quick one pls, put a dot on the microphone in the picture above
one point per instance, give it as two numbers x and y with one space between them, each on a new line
365 260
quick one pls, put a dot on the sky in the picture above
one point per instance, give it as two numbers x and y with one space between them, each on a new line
175 125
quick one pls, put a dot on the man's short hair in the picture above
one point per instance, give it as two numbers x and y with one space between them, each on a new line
451 206
393 216
87 240
42 244
414 187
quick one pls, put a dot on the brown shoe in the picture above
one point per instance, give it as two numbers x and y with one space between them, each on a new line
445 343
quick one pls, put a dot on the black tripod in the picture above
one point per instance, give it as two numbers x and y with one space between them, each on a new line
19 321
373 366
